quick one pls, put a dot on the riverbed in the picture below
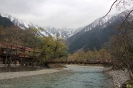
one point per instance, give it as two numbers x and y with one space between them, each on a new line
75 77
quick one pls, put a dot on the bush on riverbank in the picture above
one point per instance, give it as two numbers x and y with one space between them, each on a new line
128 84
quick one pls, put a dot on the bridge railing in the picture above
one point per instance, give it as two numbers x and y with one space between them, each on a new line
78 62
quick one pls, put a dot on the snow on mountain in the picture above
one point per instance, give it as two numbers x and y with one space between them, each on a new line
18 22
99 22
103 22
63 32
98 33
47 31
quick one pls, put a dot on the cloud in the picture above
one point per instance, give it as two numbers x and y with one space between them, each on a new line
56 13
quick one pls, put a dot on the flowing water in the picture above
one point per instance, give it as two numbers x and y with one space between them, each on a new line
78 77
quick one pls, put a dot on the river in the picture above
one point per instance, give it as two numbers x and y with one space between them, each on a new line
77 77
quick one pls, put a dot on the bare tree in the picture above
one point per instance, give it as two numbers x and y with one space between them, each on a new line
122 42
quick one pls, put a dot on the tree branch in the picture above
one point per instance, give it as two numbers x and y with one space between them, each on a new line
125 19
110 8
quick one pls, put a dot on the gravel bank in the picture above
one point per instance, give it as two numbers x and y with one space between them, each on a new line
119 77
10 75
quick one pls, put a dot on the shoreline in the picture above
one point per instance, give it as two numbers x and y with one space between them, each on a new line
11 75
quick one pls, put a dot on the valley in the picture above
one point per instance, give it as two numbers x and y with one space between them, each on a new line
107 41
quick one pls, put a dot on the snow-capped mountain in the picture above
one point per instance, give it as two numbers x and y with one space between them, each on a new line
96 34
18 22
104 21
47 31
63 32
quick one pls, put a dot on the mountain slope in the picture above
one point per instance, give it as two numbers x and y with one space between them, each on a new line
5 22
17 22
95 35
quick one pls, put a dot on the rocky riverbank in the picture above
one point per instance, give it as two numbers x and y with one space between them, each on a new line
119 77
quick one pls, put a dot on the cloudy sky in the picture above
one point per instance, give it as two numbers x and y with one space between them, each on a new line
56 13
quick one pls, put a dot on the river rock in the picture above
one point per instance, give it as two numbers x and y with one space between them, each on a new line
119 77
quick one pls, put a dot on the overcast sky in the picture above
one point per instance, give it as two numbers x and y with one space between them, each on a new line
56 13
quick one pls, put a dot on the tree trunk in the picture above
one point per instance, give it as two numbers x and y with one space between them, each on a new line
9 62
6 59
6 54
54 55
10 59
130 72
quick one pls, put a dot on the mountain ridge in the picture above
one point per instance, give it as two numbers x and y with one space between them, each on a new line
5 22
47 31
96 34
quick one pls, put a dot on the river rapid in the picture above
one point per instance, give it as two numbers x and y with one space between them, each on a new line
76 77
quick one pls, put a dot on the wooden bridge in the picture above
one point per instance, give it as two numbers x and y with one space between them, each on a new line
80 62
